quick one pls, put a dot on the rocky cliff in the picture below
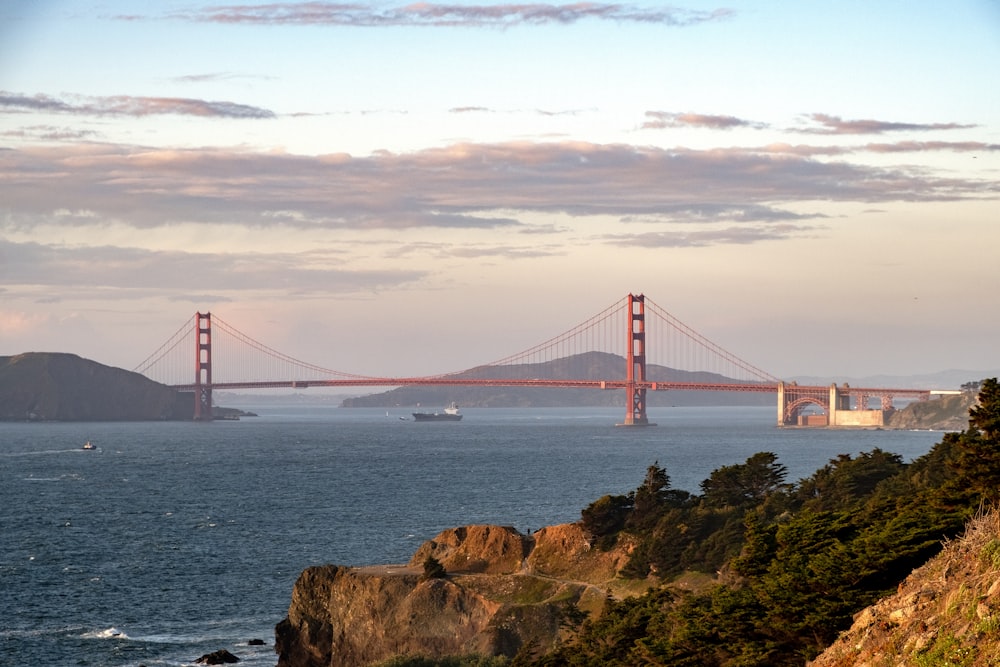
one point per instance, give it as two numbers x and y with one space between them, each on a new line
947 612
64 387
946 413
503 591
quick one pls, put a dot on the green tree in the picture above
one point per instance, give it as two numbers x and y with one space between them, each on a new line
746 483
604 518
977 461
847 481
652 498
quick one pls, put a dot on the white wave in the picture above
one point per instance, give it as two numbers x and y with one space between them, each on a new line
107 633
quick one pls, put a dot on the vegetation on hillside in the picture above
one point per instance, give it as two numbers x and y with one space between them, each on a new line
795 561
790 563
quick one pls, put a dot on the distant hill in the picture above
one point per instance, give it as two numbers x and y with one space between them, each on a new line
52 386
587 366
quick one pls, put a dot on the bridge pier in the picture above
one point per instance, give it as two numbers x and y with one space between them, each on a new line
635 372
836 404
203 368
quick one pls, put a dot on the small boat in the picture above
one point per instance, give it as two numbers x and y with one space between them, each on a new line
89 446
450 414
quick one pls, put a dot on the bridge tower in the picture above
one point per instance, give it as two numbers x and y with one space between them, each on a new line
203 367
635 373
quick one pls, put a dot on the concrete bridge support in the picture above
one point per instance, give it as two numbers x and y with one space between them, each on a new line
835 402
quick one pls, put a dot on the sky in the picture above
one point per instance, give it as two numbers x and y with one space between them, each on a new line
408 189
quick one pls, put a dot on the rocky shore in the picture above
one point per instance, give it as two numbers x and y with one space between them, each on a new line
503 591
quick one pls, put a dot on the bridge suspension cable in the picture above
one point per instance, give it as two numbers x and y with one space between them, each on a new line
691 351
252 360
165 364
598 344
604 332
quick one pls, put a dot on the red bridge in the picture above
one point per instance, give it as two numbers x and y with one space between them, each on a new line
654 350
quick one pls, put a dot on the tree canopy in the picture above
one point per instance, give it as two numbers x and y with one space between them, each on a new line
798 560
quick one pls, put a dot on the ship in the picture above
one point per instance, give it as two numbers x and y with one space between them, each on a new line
450 414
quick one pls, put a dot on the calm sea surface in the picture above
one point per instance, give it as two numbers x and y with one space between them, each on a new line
173 540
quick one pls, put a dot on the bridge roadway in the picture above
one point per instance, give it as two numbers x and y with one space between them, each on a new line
760 387
792 399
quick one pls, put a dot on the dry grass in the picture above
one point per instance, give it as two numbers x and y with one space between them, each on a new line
946 613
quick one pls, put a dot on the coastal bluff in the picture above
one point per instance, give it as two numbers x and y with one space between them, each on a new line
503 591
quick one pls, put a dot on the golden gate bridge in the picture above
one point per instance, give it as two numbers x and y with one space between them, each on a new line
651 351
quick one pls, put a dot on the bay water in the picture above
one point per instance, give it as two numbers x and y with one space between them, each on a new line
176 539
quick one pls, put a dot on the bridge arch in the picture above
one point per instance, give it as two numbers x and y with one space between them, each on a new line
794 408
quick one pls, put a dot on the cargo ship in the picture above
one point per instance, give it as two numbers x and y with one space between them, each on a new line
450 414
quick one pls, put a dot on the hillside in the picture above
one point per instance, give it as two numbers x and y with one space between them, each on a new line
947 612
945 413
49 386
587 366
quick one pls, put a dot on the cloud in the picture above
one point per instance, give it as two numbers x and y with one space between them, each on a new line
659 120
468 110
714 212
15 322
741 235
159 272
461 186
921 146
212 77
50 133
424 14
836 125
444 250
124 105
806 150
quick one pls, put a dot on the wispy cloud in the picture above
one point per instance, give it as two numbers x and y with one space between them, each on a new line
469 109
125 105
819 123
658 120
806 150
443 15
922 146
699 238
50 133
212 77
146 271
836 125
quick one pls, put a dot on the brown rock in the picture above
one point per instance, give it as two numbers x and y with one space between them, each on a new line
503 591
947 609
483 549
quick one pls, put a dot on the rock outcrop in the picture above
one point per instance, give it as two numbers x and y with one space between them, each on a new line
48 386
504 591
220 657
946 413
947 612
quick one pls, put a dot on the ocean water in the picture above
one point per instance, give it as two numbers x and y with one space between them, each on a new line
173 540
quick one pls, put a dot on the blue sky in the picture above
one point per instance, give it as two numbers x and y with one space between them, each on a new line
405 189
